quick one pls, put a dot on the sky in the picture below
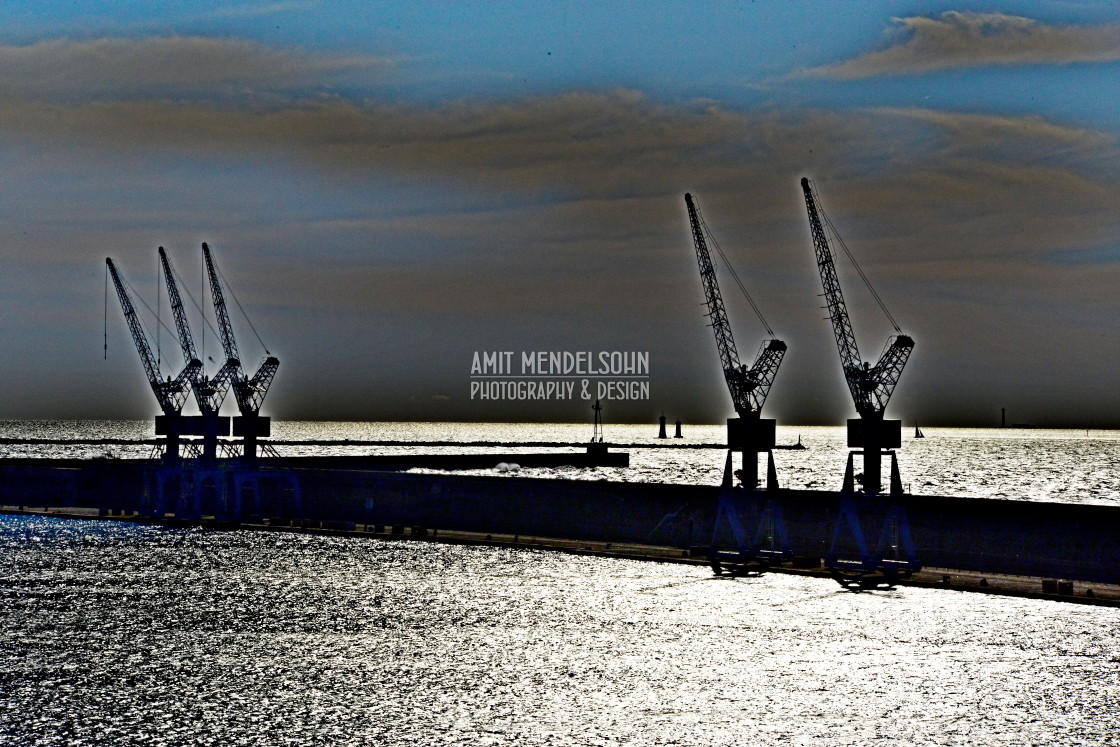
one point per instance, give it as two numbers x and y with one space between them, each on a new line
390 188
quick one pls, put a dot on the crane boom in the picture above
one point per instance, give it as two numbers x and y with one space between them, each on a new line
249 392
208 393
871 386
225 329
748 387
231 371
171 393
186 340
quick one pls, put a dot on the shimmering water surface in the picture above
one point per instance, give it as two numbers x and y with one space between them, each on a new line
126 634
1071 466
122 634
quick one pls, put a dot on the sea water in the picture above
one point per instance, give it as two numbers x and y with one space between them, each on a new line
122 634
1069 466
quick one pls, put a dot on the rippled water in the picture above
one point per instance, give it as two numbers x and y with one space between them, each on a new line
1054 465
119 634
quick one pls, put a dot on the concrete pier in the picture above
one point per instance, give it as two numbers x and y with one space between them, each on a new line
1067 544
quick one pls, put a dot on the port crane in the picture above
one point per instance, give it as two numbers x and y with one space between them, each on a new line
870 435
249 392
750 434
208 393
171 394
871 386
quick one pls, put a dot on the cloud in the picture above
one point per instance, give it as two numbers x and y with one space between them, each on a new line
576 145
251 10
583 169
166 66
966 39
1026 141
166 97
994 127
430 230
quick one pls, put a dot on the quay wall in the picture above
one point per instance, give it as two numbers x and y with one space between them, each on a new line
1024 538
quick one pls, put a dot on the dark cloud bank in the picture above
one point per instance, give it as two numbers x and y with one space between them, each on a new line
386 242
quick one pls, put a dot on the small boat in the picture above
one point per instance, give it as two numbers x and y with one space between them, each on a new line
918 431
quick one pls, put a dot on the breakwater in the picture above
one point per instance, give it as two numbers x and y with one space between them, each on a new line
981 536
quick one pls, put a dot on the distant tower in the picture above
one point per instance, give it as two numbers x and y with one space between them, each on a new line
597 436
678 433
661 433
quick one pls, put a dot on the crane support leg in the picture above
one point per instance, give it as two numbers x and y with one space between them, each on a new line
755 551
171 448
171 426
872 471
857 566
738 510
872 463
251 427
896 478
748 475
849 485
210 426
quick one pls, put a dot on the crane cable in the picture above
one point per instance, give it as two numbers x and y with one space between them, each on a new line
199 307
866 281
105 328
138 297
237 301
159 321
731 270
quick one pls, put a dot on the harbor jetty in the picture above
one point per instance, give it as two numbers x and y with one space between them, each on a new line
1063 551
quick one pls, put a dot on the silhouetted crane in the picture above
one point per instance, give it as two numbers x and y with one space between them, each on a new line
249 392
749 387
208 393
871 386
170 393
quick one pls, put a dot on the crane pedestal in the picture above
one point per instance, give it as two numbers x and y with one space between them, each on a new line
872 439
171 426
854 562
250 428
209 427
752 436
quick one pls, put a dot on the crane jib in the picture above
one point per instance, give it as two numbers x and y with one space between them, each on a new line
748 387
249 392
169 393
208 393
871 386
